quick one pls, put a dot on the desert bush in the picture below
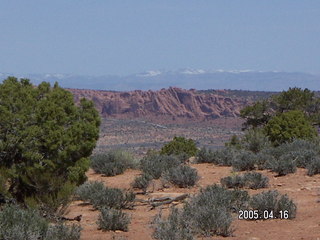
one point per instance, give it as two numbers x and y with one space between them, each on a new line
244 161
284 165
174 227
273 201
234 142
239 199
113 219
263 158
182 176
142 182
112 163
222 157
255 140
182 157
303 157
61 231
297 153
255 180
208 220
314 166
17 223
251 180
180 145
233 182
100 196
220 196
208 213
21 224
204 155
155 165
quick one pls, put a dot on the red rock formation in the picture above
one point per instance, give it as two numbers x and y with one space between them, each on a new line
172 104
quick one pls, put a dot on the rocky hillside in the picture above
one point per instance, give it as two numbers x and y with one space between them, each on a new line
165 105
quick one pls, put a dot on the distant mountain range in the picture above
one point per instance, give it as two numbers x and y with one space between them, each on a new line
184 78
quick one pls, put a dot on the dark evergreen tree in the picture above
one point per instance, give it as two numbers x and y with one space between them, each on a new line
45 140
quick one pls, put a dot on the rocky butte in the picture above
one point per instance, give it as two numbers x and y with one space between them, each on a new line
166 105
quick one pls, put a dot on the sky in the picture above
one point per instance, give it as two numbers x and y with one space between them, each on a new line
122 37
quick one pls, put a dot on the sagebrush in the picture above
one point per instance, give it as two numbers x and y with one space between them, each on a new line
113 219
112 163
101 196
182 176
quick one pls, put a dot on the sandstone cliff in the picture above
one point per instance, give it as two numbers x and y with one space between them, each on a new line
172 104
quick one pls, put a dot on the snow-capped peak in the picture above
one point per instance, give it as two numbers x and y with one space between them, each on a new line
150 73
193 71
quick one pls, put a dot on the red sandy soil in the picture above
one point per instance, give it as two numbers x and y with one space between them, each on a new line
304 190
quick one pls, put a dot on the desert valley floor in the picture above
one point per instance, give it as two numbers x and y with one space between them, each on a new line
304 190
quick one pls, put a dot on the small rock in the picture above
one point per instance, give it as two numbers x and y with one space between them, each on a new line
279 184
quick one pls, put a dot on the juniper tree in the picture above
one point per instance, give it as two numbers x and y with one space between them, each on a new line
45 139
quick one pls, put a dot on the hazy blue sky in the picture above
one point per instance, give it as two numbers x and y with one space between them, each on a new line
98 37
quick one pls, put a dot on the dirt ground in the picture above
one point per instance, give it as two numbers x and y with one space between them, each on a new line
304 190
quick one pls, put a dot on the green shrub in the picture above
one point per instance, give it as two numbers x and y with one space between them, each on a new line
155 165
45 138
4 193
142 182
283 165
112 163
53 205
182 176
180 145
77 172
288 126
21 224
174 227
244 161
61 231
100 196
113 219
273 201
314 166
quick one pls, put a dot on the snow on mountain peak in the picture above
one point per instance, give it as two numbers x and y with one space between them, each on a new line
151 73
